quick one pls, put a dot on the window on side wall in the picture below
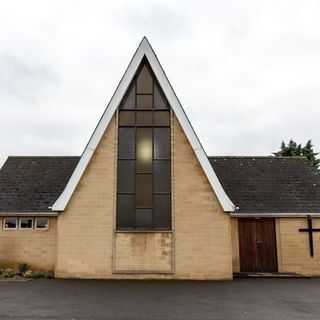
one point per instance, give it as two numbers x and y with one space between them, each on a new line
42 223
26 223
10 223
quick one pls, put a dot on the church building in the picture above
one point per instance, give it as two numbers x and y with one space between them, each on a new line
144 200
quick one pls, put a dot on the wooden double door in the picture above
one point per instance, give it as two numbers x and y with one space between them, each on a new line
257 244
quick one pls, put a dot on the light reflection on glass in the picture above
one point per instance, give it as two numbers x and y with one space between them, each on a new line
144 150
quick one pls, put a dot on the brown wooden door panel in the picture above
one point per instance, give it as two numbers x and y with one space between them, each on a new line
257 244
266 246
247 238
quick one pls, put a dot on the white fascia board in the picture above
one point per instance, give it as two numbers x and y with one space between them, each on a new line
65 196
176 106
144 49
3 160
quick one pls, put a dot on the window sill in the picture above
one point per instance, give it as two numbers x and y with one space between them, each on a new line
143 231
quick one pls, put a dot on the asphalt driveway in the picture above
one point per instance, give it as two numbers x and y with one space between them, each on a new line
276 299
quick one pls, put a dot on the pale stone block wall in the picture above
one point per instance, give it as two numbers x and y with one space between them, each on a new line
85 229
203 248
294 255
37 248
292 246
198 248
145 252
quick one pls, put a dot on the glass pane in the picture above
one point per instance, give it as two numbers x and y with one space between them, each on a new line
42 223
144 101
144 118
161 143
126 145
161 118
26 223
160 101
126 175
125 211
10 223
144 218
144 81
161 176
128 101
144 191
144 149
126 118
162 211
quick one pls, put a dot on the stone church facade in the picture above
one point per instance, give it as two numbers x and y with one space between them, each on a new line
144 200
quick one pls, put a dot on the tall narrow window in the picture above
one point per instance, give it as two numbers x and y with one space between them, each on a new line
144 156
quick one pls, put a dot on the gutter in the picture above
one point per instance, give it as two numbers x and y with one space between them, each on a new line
29 214
274 215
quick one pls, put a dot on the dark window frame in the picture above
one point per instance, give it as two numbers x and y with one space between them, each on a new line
136 126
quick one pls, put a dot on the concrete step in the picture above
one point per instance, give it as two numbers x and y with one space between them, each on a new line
267 275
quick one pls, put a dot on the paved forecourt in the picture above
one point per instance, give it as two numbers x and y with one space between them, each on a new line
89 299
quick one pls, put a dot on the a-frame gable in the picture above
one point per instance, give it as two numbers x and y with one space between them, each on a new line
144 51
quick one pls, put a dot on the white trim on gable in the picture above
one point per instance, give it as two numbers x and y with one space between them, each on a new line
144 49
3 160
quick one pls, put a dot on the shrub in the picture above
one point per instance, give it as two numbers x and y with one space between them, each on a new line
36 275
28 274
49 275
23 268
8 273
39 274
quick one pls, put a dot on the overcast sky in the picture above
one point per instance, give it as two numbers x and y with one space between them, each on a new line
247 72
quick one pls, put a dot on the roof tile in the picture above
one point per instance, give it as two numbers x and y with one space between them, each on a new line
32 184
269 184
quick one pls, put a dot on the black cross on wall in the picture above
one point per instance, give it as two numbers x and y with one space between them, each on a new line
310 231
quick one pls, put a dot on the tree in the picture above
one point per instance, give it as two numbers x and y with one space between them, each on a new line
308 152
292 149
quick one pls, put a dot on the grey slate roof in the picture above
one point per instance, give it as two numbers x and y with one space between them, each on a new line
32 184
254 184
269 184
